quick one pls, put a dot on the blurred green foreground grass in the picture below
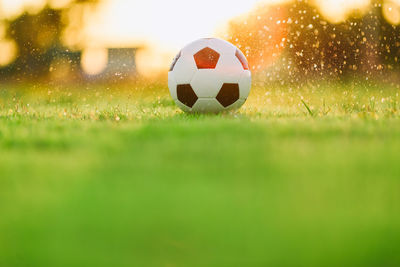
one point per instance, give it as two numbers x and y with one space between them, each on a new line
118 176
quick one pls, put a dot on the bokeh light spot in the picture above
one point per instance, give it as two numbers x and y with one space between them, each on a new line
94 60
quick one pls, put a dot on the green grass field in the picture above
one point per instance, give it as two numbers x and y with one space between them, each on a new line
118 176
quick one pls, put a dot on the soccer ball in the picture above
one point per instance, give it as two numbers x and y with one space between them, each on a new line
209 76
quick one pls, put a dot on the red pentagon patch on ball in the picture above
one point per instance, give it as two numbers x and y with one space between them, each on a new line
206 58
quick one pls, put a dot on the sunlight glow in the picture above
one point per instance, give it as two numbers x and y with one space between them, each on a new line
391 11
12 8
59 3
8 52
161 27
337 10
173 22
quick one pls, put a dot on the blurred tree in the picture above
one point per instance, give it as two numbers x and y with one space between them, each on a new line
320 48
39 40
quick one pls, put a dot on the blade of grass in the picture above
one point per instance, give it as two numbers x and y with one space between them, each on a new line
308 108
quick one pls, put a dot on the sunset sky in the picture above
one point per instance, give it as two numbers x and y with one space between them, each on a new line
177 22
166 26
161 26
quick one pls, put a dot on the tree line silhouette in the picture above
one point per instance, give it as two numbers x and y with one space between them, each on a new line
294 37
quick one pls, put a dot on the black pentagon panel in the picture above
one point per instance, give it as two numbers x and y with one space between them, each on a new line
186 95
242 59
174 61
206 58
228 94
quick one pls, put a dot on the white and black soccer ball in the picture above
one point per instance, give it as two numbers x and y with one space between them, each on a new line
209 76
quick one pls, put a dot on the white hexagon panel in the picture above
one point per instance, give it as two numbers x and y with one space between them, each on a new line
209 76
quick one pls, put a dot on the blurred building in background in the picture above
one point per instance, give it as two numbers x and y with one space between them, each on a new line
121 63
109 64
